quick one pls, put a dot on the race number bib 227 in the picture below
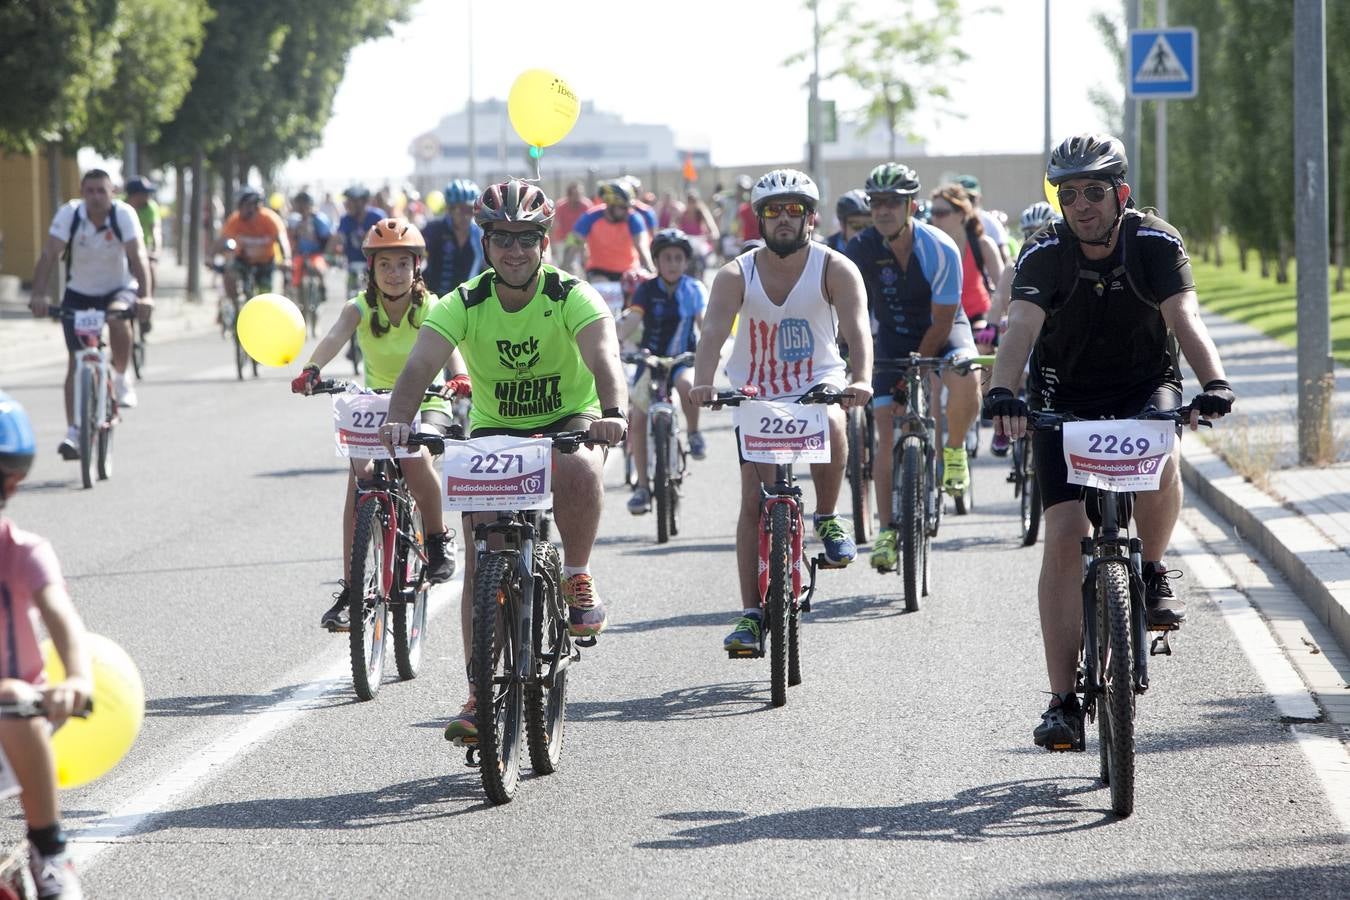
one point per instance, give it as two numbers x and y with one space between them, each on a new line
356 426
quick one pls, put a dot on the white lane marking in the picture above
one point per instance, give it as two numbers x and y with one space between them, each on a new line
1328 757
204 764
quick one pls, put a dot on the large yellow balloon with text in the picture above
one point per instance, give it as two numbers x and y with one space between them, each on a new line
271 329
86 749
542 107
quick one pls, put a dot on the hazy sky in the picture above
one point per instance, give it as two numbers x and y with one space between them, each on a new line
711 69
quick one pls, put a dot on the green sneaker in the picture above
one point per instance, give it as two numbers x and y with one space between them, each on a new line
884 555
955 471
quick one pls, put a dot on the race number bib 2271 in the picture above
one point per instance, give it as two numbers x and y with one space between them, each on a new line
1118 454
498 472
783 433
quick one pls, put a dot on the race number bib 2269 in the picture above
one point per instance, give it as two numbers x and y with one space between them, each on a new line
498 472
783 432
356 426
1118 455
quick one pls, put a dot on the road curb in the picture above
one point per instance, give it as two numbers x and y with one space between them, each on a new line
1316 567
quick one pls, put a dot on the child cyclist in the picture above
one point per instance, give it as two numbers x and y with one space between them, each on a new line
30 579
670 309
385 319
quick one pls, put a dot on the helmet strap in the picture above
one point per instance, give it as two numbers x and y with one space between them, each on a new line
1105 241
801 240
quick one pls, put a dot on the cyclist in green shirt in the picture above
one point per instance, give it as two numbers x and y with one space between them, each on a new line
140 193
543 357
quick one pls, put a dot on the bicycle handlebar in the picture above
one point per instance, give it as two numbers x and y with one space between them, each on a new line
563 441
936 363
65 312
335 386
35 709
818 394
654 362
1048 420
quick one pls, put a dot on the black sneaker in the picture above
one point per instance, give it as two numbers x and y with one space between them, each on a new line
1160 606
336 619
440 558
69 450
1061 725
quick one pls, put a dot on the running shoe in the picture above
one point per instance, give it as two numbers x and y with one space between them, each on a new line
955 471
1160 605
640 502
440 558
54 876
463 728
698 447
840 549
1061 725
585 613
336 619
885 557
1000 445
748 633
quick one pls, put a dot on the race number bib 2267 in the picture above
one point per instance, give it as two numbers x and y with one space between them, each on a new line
1118 455
778 432
356 426
498 472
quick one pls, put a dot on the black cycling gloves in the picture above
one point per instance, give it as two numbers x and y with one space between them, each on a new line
1003 402
1217 399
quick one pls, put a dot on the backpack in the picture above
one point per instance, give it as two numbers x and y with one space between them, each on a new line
75 227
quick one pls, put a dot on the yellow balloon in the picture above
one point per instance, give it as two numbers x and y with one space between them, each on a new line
86 749
276 201
1052 196
272 330
435 201
542 107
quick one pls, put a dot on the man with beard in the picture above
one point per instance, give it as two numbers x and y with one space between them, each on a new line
796 298
1102 301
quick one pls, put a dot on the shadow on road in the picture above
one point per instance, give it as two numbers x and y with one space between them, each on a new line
293 473
727 545
833 610
688 620
710 701
240 704
1011 809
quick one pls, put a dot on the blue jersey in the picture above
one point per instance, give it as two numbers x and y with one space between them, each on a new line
900 300
313 239
668 317
354 233
450 263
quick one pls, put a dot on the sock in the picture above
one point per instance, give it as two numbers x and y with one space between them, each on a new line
753 612
569 571
49 841
818 518
73 432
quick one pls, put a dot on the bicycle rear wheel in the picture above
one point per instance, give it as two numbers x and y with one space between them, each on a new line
367 603
1028 492
496 653
104 441
240 357
410 617
661 476
137 348
776 603
91 382
913 524
857 480
546 699
1115 706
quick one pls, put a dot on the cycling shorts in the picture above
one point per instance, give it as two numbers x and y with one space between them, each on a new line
640 394
1052 473
314 260
124 297
885 378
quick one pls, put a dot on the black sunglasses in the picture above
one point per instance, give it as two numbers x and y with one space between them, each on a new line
504 240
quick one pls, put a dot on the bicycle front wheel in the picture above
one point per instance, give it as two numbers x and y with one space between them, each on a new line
91 382
367 602
776 604
1115 706
1029 493
496 680
856 472
913 524
104 442
410 609
661 476
546 698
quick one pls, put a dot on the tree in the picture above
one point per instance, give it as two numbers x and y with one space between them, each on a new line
1111 30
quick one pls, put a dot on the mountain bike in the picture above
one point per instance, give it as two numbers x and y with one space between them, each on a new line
1113 662
521 646
388 579
667 454
916 466
309 294
781 532
246 284
138 332
861 426
96 410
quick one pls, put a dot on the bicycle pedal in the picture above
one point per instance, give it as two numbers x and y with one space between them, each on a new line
1160 645
824 562
1075 746
743 654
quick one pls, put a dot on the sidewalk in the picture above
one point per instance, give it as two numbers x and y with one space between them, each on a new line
1298 517
26 342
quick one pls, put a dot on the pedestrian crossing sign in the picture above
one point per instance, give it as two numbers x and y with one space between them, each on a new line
1163 63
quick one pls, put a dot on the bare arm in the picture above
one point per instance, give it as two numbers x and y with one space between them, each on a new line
1181 312
52 249
845 288
710 223
1024 326
724 302
1002 293
140 266
335 341
935 338
629 322
643 243
67 632
993 259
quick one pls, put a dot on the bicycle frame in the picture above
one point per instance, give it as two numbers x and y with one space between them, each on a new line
1107 545
783 492
918 422
388 488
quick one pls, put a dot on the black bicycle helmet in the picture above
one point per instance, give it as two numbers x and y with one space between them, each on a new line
892 178
1098 156
671 237
854 203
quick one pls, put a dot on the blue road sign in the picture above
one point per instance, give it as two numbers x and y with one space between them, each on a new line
1164 64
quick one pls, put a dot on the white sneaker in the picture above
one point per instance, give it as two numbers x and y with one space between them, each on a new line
54 876
125 389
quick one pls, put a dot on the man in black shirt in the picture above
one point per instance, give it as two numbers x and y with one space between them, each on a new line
1101 302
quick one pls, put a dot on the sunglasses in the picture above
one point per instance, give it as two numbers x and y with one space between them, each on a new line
774 210
1095 193
504 240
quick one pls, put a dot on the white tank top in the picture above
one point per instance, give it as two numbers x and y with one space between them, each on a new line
786 350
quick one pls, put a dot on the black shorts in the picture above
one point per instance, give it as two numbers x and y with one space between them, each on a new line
573 422
1052 473
960 345
75 300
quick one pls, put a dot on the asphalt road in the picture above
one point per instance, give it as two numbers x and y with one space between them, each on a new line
903 766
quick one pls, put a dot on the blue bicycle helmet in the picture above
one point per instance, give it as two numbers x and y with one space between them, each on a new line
16 438
461 190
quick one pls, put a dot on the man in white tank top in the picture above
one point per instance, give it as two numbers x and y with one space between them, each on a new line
795 298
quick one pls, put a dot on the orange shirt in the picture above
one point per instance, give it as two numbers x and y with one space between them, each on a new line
255 235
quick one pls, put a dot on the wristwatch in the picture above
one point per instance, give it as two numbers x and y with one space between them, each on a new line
613 412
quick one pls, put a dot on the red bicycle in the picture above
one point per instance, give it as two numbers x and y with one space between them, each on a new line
781 561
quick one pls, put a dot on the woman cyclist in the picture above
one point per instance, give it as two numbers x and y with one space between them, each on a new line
385 319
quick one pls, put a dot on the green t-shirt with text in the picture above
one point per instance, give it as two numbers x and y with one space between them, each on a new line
526 368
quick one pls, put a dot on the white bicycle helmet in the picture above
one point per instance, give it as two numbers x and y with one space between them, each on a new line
1037 216
784 184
